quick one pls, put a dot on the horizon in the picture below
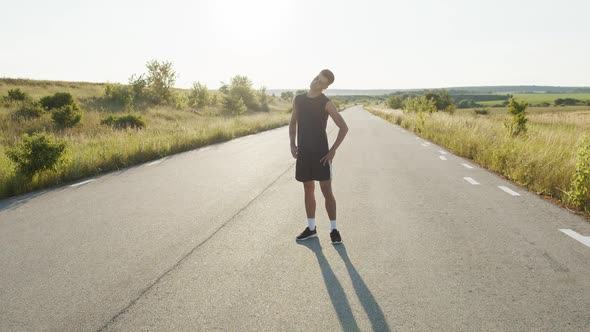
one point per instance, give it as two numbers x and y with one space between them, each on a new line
379 45
340 89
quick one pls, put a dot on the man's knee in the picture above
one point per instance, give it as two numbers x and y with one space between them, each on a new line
327 189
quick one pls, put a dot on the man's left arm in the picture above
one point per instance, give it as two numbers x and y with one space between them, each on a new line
343 129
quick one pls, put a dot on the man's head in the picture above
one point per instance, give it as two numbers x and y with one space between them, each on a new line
322 80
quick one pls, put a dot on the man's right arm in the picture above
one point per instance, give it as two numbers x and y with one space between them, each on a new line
293 130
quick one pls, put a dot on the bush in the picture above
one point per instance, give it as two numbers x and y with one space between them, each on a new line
29 110
199 95
66 116
288 95
517 125
58 100
419 104
119 94
263 98
124 121
36 153
233 104
17 95
395 102
579 192
160 80
242 86
565 101
483 111
442 100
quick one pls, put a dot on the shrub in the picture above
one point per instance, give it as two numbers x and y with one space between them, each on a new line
395 102
17 95
442 100
199 95
160 80
483 111
242 86
124 121
517 125
57 100
263 98
119 94
233 104
419 104
29 110
579 192
66 116
288 95
37 153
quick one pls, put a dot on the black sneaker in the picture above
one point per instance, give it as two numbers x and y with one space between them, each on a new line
335 236
307 234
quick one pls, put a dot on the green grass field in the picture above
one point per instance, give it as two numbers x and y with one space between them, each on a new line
539 98
96 148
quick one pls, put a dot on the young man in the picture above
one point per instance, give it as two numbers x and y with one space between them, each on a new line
314 158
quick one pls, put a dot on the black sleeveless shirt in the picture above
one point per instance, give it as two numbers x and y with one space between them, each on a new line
312 119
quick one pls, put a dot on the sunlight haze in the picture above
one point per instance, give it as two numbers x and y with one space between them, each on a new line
283 44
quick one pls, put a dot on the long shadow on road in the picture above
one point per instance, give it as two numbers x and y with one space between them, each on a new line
337 295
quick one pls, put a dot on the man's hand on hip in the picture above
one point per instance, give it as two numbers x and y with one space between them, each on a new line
328 157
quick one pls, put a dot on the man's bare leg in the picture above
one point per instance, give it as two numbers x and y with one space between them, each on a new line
330 200
309 189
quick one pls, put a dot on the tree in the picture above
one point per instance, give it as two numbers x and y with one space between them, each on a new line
263 99
442 99
395 102
242 86
199 95
517 125
288 95
160 80
233 104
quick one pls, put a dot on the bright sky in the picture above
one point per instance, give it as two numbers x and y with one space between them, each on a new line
368 44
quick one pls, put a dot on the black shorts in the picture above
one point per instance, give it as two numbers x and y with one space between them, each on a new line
308 167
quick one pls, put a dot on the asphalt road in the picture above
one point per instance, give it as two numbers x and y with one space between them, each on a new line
205 240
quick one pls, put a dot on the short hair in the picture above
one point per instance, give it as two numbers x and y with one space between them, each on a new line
329 75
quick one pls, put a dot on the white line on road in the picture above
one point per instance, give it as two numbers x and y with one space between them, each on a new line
467 165
442 152
584 239
154 162
442 157
81 183
510 191
470 180
424 144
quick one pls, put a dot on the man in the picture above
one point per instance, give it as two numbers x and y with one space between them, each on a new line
314 158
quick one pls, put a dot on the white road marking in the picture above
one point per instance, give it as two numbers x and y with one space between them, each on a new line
81 183
510 191
205 148
154 162
470 180
442 152
467 165
403 131
424 144
442 157
427 143
584 239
